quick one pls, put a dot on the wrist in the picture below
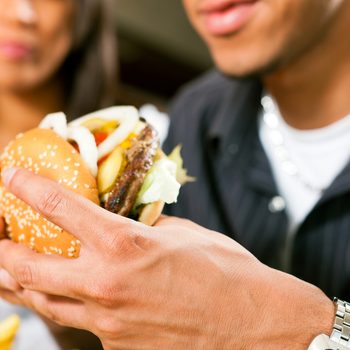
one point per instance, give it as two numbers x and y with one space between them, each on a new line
302 311
319 317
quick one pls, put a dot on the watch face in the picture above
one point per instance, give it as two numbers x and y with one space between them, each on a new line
322 342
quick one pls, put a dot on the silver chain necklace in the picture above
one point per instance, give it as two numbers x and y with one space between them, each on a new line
270 118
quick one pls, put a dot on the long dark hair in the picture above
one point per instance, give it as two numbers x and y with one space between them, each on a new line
90 71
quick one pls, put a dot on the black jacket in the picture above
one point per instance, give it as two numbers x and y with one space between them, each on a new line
215 119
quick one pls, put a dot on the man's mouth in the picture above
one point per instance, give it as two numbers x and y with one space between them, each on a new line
224 17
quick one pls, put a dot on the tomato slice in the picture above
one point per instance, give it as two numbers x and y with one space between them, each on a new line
100 137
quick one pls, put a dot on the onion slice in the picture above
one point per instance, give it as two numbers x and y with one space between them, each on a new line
126 116
87 146
57 122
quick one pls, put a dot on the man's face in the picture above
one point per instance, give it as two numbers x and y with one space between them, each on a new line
248 37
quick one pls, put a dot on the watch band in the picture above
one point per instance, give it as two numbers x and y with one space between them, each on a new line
322 342
341 327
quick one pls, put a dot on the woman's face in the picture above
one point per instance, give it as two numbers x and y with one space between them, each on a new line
35 38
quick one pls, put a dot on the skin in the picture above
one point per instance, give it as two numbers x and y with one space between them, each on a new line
29 86
172 286
178 285
289 44
45 27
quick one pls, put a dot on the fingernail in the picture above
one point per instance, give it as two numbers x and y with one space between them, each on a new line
7 175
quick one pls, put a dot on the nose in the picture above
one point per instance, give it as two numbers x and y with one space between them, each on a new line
21 10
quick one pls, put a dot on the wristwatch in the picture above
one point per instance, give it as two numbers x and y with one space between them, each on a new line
340 337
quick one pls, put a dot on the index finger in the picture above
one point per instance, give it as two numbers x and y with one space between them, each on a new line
72 212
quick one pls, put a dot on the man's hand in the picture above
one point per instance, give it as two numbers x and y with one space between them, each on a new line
172 286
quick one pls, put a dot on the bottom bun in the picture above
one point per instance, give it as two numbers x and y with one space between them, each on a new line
151 212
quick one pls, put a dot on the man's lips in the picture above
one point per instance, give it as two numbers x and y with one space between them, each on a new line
223 17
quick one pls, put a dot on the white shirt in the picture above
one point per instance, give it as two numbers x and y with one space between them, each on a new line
319 156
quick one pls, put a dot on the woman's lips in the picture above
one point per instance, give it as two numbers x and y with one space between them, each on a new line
227 16
14 50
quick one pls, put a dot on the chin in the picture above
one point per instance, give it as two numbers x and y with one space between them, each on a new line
19 83
246 64
238 69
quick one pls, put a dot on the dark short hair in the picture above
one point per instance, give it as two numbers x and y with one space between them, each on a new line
90 71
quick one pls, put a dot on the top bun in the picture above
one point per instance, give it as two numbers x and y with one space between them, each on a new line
45 153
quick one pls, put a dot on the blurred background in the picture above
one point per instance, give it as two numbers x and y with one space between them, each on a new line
159 51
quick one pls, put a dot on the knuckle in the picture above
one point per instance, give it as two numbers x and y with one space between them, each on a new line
120 243
41 303
50 311
107 327
51 203
102 294
126 241
24 274
115 239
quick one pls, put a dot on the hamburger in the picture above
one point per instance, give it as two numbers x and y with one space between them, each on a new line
112 157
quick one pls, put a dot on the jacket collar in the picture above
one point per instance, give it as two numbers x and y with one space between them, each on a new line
233 130
233 135
237 112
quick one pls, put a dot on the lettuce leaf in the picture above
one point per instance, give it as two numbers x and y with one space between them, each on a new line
181 172
160 184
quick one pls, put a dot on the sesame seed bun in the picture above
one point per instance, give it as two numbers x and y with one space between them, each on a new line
151 212
45 153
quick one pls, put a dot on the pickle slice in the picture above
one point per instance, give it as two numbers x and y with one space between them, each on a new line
109 170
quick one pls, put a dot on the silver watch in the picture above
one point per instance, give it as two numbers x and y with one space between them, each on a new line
340 337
